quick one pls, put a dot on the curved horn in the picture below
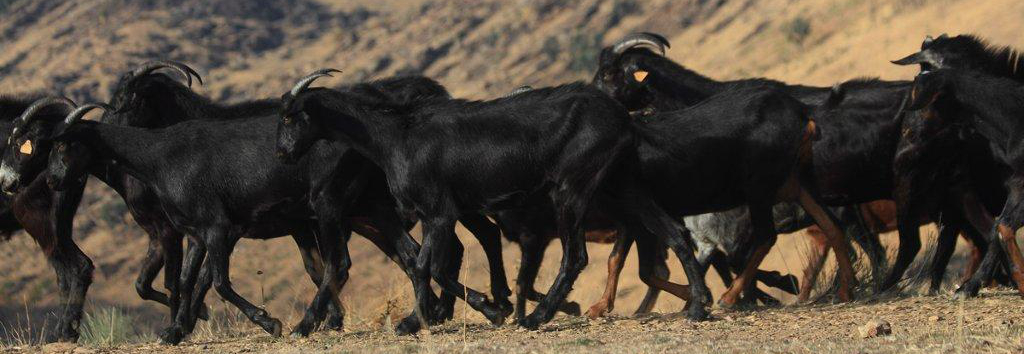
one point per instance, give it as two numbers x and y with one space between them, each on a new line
80 112
916 58
39 104
304 83
519 90
649 40
183 69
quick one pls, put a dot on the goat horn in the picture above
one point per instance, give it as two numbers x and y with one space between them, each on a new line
649 40
304 83
185 70
519 90
80 112
39 104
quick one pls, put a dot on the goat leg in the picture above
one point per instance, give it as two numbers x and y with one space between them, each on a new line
489 236
615 262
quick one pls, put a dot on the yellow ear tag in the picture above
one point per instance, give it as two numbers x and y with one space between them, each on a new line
640 75
26 148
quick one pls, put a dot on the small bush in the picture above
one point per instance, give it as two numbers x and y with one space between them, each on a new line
583 50
112 212
108 327
4 4
797 30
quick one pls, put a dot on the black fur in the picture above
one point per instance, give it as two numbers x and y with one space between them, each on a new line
444 159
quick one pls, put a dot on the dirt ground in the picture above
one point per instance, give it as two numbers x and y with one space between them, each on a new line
991 323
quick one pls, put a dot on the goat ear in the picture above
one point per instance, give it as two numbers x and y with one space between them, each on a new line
927 42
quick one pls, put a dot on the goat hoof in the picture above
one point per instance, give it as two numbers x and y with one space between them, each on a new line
271 325
770 301
495 315
409 325
171 335
697 313
302 330
598 310
69 335
505 307
793 284
571 308
531 322
335 322
966 291
442 314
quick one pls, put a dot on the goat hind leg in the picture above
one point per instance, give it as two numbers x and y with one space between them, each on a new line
762 239
337 262
489 236
833 233
615 262
314 266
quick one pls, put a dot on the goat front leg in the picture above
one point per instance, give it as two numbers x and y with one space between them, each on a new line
643 214
219 260
73 268
945 245
335 274
982 221
910 244
74 275
190 271
392 238
442 231
574 259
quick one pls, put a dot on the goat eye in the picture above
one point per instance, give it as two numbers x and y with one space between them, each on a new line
287 120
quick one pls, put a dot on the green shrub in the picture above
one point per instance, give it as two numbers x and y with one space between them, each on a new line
108 326
584 49
797 30
4 4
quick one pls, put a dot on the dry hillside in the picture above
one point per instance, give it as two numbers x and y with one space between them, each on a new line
478 49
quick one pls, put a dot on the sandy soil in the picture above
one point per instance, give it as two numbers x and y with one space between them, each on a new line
993 323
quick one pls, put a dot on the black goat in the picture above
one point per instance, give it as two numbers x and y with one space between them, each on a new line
444 159
980 176
46 216
852 160
260 216
992 107
744 146
534 229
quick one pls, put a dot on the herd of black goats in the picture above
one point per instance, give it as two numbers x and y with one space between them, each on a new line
625 158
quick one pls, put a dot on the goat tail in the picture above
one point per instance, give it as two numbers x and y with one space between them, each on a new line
811 134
